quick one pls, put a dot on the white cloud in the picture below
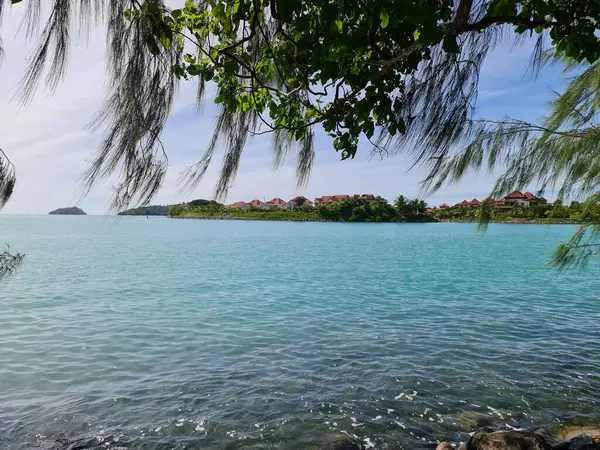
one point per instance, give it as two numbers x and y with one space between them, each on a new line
51 148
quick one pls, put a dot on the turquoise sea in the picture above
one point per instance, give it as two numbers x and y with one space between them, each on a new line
170 334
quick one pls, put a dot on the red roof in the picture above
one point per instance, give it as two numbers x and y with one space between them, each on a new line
237 205
529 196
475 202
306 201
276 202
443 205
367 197
255 202
516 194
332 198
464 203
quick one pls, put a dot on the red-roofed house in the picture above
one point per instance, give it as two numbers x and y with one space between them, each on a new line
367 197
535 200
329 199
501 205
299 202
236 205
255 204
444 206
517 199
474 202
276 203
464 203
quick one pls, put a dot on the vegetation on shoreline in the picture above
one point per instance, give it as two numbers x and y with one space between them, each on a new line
152 210
349 210
251 214
556 213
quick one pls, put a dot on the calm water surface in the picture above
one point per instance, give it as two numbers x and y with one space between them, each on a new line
165 334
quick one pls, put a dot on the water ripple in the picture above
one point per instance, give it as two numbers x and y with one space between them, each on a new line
158 334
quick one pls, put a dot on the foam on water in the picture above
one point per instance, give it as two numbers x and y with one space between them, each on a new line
163 334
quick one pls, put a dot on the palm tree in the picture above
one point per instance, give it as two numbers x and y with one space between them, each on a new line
401 204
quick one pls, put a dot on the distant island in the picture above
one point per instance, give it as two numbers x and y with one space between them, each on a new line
152 210
72 211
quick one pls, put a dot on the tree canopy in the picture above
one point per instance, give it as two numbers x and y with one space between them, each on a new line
402 73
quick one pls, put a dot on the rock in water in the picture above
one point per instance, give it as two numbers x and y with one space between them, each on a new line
506 440
578 443
572 432
445 446
343 444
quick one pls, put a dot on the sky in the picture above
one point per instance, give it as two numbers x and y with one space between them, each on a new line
49 144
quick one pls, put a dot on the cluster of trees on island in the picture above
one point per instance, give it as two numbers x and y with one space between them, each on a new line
351 209
576 212
403 209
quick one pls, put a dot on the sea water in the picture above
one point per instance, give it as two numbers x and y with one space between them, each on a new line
170 334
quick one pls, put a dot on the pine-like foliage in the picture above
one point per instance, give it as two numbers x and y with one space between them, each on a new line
560 154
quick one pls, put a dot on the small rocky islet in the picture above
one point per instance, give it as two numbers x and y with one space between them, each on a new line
70 211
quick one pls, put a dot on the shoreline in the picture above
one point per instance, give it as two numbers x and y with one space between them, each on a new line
519 222
264 219
306 219
288 219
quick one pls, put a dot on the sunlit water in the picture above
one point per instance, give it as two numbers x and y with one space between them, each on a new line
172 334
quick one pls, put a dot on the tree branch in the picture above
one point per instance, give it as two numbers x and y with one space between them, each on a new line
504 20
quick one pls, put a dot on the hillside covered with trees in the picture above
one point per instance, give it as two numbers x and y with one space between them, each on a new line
152 210
70 211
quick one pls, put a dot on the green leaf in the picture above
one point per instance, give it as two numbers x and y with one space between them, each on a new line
385 19
166 41
450 44
151 44
339 25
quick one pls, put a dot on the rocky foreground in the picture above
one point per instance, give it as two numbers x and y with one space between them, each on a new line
575 438
569 438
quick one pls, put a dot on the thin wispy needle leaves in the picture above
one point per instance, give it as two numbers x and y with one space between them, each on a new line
9 262
284 68
561 154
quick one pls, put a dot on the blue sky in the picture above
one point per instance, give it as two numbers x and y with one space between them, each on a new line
51 148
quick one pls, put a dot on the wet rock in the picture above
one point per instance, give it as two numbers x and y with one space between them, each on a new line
578 443
445 446
343 444
469 420
506 440
572 432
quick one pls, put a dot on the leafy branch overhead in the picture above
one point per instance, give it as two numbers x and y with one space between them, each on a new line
401 74
359 68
